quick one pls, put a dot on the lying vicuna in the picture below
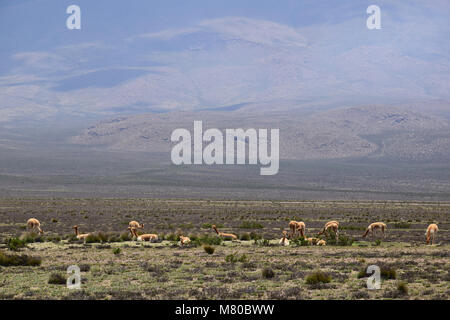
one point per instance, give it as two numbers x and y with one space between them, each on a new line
143 237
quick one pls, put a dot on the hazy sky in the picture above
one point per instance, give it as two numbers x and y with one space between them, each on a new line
197 54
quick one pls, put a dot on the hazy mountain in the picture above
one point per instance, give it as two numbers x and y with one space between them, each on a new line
369 131
155 57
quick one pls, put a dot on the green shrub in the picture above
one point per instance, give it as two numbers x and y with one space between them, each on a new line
251 225
53 238
31 237
318 277
243 258
209 249
117 251
267 273
300 242
206 239
18 260
57 278
263 243
206 226
255 236
402 287
343 240
15 244
231 258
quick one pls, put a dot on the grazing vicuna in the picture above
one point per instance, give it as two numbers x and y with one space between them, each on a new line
34 223
224 235
143 237
136 225
431 233
80 236
295 226
331 226
184 240
284 241
375 226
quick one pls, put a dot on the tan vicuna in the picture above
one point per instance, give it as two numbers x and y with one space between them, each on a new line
431 233
284 241
136 225
184 240
321 243
143 237
311 241
80 236
375 226
331 226
224 235
34 223
295 226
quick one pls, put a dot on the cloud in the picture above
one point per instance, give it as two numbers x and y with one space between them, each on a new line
38 60
166 34
257 31
261 32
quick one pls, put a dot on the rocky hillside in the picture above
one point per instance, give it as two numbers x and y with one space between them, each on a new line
368 131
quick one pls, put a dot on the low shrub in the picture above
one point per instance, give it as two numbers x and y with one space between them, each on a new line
299 242
117 251
267 273
402 225
15 244
318 277
386 272
245 237
209 249
255 236
251 225
7 260
231 258
57 278
402 287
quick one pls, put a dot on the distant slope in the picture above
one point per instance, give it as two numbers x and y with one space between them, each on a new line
368 131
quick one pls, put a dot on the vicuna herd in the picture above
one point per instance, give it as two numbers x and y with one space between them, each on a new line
295 228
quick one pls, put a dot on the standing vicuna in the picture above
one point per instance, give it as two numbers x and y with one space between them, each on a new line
284 241
224 235
34 223
375 226
80 236
295 226
431 233
143 237
331 226
136 225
